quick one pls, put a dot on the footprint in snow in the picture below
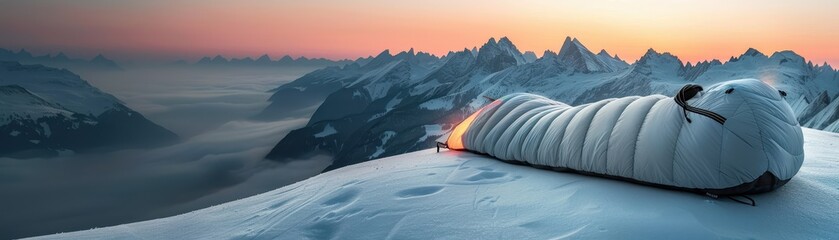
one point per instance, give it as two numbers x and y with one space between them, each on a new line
486 176
419 192
482 176
342 196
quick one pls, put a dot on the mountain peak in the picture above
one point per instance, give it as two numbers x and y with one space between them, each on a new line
604 53
505 41
653 53
24 53
100 57
386 52
787 55
529 56
264 58
61 56
573 46
653 57
102 61
752 52
219 58
574 55
406 54
507 44
499 55
568 40
381 59
826 67
204 60
286 58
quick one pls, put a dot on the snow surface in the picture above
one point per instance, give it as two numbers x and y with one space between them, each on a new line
459 195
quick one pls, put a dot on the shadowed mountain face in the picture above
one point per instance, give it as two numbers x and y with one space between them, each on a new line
47 111
400 103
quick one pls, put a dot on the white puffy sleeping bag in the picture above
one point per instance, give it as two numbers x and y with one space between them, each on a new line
738 137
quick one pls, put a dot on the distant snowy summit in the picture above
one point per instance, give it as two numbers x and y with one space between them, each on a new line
47 111
577 57
399 103
266 61
60 60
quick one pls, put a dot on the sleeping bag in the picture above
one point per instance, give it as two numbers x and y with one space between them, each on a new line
736 137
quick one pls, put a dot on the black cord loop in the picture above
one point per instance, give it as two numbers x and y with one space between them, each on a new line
686 93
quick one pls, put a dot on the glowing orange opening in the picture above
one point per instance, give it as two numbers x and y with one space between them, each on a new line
455 140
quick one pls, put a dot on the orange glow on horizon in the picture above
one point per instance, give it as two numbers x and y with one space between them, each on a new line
692 30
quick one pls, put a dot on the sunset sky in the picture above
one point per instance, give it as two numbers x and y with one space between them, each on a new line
189 29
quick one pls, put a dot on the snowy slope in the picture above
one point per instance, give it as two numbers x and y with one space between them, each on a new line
458 195
827 116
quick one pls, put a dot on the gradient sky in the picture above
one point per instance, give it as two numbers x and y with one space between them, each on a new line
188 29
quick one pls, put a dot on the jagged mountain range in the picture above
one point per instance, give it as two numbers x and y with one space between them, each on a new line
266 60
47 111
60 60
400 103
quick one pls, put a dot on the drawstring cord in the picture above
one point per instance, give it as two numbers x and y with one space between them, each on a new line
750 202
686 93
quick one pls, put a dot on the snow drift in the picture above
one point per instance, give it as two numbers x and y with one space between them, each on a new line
738 137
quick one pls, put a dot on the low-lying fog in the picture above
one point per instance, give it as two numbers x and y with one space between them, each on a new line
219 159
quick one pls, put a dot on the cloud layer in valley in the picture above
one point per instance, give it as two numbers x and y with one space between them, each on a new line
219 160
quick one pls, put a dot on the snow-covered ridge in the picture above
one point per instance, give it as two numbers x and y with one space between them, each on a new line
60 60
45 111
266 61
19 103
459 195
402 94
58 86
